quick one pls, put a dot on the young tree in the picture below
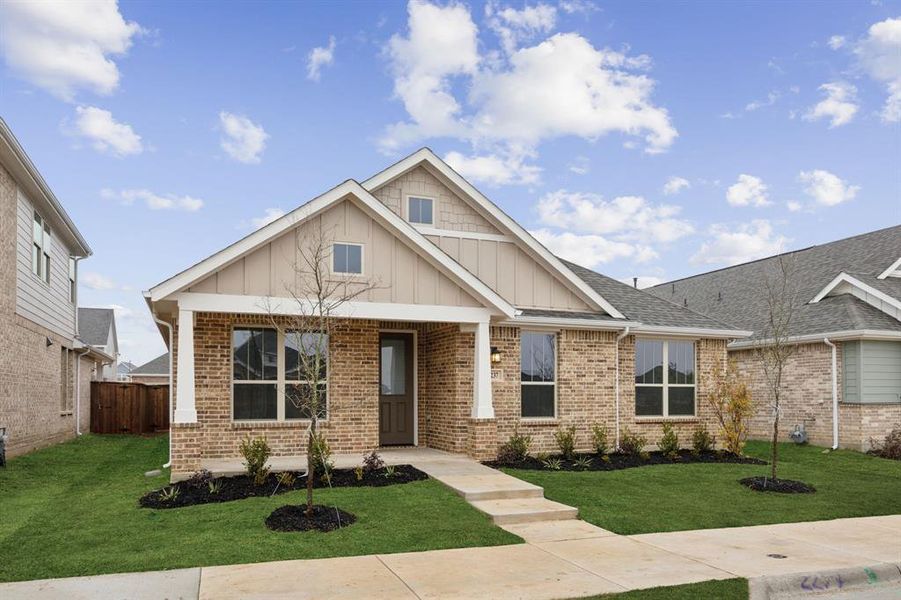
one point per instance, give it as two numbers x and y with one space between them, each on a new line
306 324
777 349
730 400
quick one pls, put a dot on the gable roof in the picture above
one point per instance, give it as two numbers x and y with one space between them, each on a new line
157 366
646 308
733 294
94 325
425 156
377 209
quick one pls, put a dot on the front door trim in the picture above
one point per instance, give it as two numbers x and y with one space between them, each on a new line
415 334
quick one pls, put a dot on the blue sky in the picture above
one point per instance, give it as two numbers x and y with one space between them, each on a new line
640 139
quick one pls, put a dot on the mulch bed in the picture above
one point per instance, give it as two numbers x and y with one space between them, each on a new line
617 461
242 486
781 486
294 518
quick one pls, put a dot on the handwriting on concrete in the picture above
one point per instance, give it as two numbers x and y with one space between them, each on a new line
817 583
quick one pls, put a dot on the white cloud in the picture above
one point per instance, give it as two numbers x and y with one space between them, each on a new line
837 41
572 7
105 133
515 26
154 201
493 169
590 250
66 46
839 105
321 56
96 281
879 53
771 99
749 241
628 217
827 188
674 185
579 165
747 191
244 140
560 87
793 206
269 215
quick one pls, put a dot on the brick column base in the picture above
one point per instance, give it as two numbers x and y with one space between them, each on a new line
482 443
186 449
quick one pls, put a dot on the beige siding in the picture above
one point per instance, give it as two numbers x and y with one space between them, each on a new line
46 305
400 273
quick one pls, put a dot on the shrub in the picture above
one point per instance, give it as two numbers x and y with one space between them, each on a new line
730 399
358 472
566 442
890 447
391 471
669 443
321 453
214 486
170 494
256 453
701 440
372 462
632 443
583 462
552 464
199 480
599 439
516 449
285 479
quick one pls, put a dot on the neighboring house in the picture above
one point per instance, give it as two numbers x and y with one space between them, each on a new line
154 372
848 304
124 369
45 371
474 331
97 327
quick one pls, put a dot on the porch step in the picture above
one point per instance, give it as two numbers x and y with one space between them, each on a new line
525 510
490 486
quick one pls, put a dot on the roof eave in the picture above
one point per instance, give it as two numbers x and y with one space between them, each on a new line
835 336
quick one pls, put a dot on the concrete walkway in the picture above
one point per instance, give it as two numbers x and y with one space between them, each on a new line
563 559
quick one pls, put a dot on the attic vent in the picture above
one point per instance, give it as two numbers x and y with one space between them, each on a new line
684 301
719 296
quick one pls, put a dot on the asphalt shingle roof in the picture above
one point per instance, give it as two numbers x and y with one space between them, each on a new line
157 366
638 305
94 325
737 295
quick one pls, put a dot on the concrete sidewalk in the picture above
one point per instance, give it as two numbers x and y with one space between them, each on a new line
561 559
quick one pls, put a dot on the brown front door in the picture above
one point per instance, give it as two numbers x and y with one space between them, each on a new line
396 389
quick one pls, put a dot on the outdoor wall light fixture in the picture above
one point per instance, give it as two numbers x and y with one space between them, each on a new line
495 354
49 342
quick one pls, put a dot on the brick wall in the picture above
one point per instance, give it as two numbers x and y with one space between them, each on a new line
860 424
445 386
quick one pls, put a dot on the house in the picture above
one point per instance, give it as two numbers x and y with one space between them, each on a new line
124 369
45 370
154 372
474 331
97 327
843 383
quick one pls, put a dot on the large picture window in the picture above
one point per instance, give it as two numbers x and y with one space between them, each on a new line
302 352
255 374
538 370
664 378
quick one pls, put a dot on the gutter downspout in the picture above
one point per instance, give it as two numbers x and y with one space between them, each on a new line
171 388
834 394
619 338
78 390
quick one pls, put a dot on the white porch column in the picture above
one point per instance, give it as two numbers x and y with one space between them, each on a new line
482 405
185 410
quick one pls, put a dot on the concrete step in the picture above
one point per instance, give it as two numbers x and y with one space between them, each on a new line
504 494
525 510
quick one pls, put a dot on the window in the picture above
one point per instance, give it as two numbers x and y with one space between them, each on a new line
347 259
420 210
72 287
664 392
254 374
538 366
302 374
40 248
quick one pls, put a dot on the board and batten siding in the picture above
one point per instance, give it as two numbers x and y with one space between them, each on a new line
872 371
46 305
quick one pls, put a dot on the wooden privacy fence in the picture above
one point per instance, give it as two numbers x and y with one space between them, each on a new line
129 407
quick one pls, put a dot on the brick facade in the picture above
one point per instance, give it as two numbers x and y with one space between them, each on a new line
807 400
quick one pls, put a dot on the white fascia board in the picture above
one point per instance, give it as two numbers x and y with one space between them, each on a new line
94 350
387 311
854 282
566 323
692 332
892 271
426 155
835 336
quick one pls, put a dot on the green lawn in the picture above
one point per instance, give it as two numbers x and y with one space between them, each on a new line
72 510
701 496
726 589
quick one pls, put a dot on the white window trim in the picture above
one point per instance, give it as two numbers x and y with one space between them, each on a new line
406 209
362 248
554 335
45 247
73 280
279 381
666 384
